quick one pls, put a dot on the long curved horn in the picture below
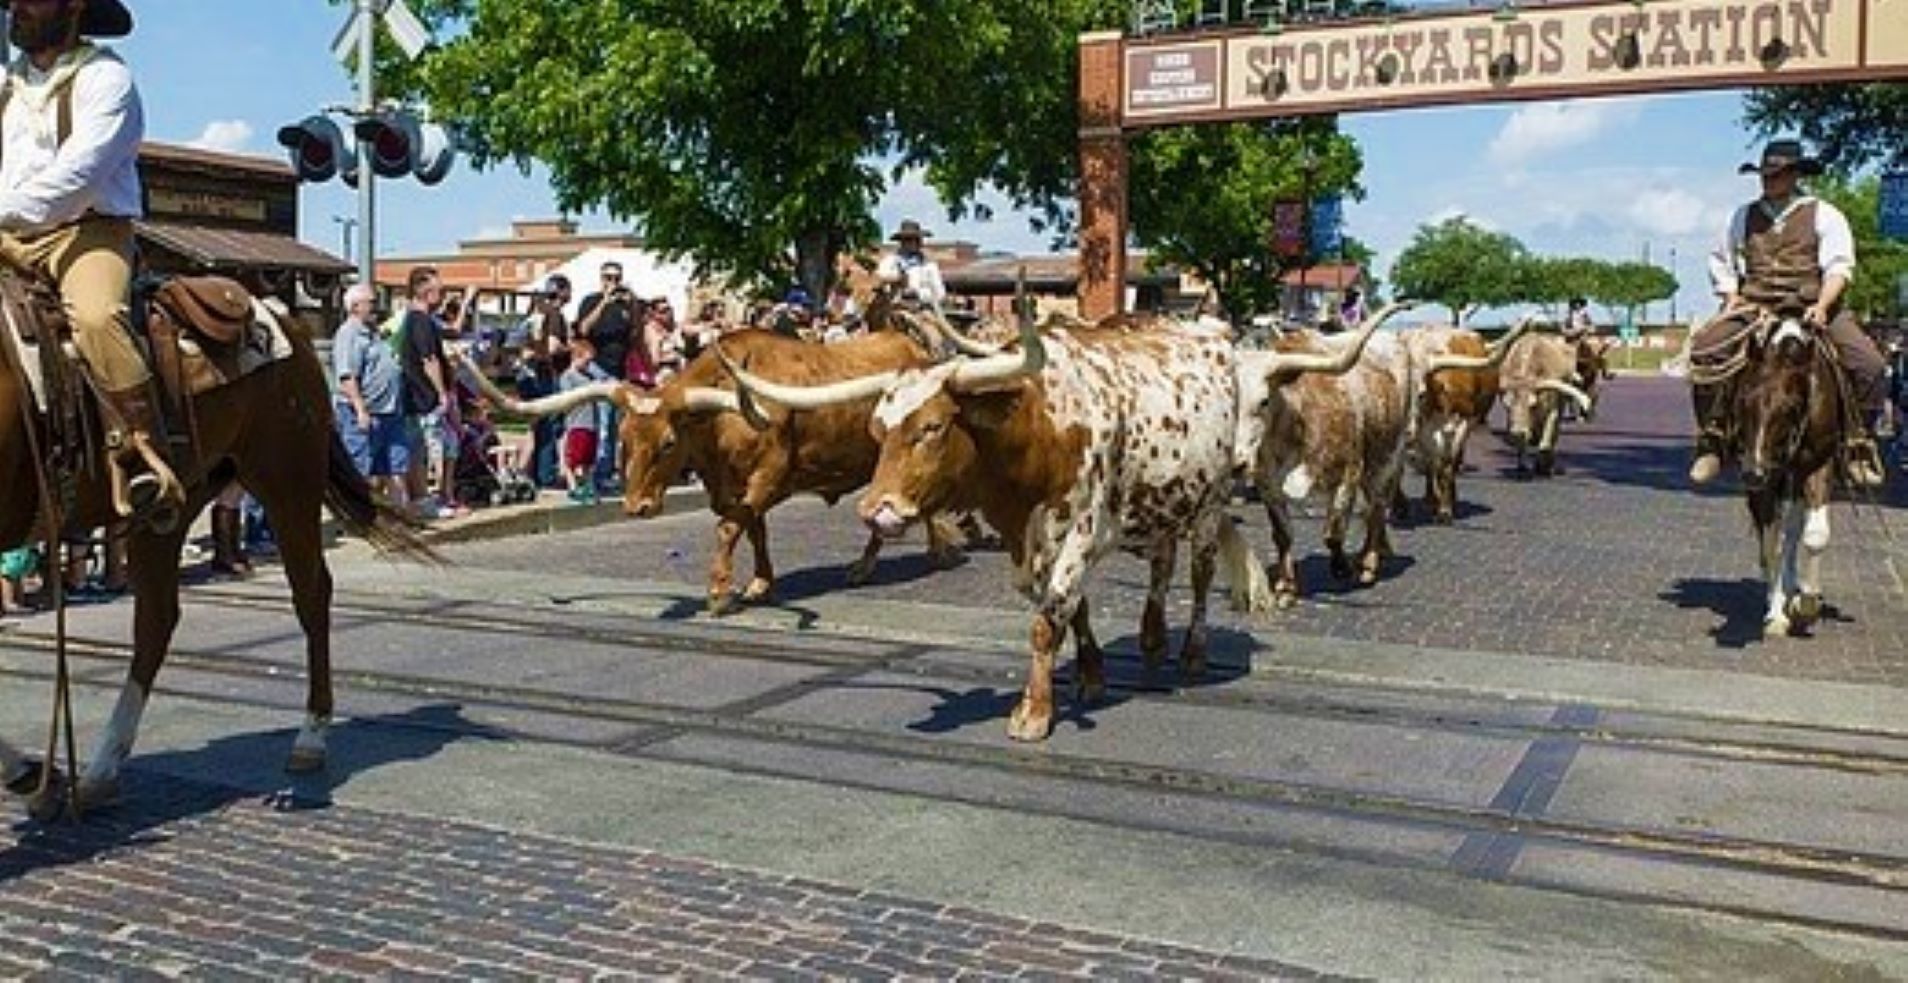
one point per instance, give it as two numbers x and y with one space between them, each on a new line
1347 355
550 405
1560 386
1497 349
807 397
702 399
960 342
982 373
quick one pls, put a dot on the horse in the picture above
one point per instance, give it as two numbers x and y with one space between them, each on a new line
270 430
1789 409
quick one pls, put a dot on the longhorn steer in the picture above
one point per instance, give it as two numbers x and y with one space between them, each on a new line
1539 374
1315 414
694 421
1457 386
1081 442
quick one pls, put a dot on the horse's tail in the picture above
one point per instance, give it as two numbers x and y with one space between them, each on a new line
387 529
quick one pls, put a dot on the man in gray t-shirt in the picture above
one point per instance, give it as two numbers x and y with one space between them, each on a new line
369 408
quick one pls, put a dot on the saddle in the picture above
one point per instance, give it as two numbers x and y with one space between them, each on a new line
193 330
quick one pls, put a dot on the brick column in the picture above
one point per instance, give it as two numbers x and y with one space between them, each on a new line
1102 176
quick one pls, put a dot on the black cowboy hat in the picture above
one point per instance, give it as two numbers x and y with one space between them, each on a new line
101 19
910 229
1780 155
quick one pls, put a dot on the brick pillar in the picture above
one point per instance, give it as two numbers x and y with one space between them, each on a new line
1102 177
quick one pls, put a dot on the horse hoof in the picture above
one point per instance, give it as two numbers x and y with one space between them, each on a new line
47 806
98 793
1287 600
1366 578
305 760
1805 609
1775 627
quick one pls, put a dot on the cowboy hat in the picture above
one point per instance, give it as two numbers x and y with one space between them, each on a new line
101 18
1780 155
910 229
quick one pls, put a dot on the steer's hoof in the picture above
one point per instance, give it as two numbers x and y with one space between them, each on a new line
758 590
305 760
860 574
47 806
1089 687
946 559
1805 609
1029 724
97 794
721 604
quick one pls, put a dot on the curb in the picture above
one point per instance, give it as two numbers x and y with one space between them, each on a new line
550 513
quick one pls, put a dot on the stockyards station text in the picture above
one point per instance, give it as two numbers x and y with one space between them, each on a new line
1531 53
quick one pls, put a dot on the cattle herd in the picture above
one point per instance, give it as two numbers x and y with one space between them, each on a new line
1075 439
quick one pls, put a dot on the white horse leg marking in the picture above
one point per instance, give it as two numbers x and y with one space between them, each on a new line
116 742
1775 620
308 750
1815 540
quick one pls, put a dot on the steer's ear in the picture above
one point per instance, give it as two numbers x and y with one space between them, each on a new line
989 410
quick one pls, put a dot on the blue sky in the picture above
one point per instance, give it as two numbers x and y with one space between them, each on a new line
1605 177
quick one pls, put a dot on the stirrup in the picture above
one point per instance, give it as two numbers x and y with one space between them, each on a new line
152 496
1865 468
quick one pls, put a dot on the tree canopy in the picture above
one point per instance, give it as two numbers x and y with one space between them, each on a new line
1462 266
1879 263
1850 126
1202 198
733 129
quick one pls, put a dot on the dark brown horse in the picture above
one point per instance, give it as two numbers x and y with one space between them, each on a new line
1789 410
270 430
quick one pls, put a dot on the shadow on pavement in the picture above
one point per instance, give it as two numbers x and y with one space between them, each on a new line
1228 659
1738 602
163 789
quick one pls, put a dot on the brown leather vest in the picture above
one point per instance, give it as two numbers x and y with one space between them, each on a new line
1782 264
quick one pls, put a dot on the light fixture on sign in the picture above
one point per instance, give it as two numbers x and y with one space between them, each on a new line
1503 69
1505 12
1627 52
1386 71
1774 53
1274 85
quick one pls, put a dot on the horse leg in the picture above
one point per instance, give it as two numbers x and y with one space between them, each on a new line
1766 510
154 561
1807 605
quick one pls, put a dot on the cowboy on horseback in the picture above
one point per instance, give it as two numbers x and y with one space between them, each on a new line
1788 254
70 128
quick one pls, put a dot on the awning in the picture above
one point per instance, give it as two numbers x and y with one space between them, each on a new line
231 249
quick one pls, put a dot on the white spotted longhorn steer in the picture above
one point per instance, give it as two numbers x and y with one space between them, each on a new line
1326 413
1085 440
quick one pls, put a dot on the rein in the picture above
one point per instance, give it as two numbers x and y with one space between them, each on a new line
52 507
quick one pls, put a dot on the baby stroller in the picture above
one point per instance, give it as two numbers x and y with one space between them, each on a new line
487 469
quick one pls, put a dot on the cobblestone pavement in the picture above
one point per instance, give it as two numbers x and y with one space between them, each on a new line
1615 561
199 883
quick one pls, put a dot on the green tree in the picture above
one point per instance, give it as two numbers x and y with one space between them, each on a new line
1202 198
1461 266
756 136
1849 125
1628 285
1879 263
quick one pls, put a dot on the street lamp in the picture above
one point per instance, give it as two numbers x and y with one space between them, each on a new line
1677 287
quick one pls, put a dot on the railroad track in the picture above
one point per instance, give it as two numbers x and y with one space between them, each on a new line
659 722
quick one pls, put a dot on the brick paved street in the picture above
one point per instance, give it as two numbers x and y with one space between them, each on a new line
202 882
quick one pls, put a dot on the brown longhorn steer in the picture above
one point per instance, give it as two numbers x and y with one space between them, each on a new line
1327 413
1083 442
1539 373
1457 386
694 421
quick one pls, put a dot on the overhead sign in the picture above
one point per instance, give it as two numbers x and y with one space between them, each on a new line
1894 205
1537 52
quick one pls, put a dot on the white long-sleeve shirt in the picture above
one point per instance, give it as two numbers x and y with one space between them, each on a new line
921 275
1835 250
44 183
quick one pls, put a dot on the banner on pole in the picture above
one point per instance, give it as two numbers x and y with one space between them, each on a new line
1894 205
1288 229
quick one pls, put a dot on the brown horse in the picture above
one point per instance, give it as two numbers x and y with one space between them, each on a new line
271 431
1789 411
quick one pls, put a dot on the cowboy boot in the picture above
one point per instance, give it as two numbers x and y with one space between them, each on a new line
1863 455
228 545
145 489
1712 439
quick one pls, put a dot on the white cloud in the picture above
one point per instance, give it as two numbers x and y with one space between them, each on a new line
1667 212
225 135
1544 128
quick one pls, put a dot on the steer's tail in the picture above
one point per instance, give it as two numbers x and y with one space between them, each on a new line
388 530
1251 591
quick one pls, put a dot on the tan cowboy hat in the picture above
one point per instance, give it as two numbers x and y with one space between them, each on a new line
910 229
101 19
1780 155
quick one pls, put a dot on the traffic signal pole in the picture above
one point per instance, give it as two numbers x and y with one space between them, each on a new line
367 181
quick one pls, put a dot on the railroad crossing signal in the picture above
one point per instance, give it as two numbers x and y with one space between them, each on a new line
320 150
397 143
